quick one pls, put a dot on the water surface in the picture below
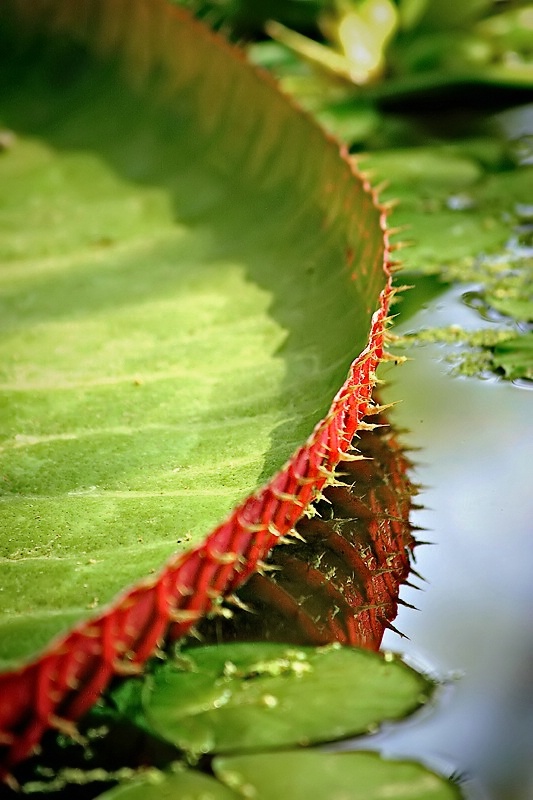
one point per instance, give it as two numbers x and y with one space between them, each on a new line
474 626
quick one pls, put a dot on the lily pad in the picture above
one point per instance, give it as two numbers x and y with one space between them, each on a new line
185 784
326 776
452 207
515 357
254 696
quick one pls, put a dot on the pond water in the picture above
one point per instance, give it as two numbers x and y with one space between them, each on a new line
473 628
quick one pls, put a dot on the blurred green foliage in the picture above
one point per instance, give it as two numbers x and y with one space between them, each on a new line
421 86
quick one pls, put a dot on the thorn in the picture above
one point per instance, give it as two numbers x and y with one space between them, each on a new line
321 497
340 474
396 359
296 535
127 668
286 497
67 728
417 575
367 174
224 558
418 528
402 244
381 188
412 585
350 457
263 567
379 409
407 605
398 229
390 337
369 426
328 474
334 483
236 601
221 611
404 287
183 615
11 782
391 627
310 511
394 267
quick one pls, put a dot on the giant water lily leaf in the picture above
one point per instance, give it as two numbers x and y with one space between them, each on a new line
188 269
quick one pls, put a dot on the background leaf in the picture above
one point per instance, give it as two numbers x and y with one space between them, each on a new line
457 201
263 695
359 776
515 357
185 784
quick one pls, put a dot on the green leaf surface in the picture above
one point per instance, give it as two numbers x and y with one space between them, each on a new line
263 695
186 784
515 357
329 776
177 306
452 206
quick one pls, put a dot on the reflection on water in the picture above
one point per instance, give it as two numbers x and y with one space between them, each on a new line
474 626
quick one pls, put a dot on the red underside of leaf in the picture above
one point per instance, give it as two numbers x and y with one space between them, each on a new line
340 579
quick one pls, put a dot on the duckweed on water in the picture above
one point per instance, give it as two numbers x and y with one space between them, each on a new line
502 294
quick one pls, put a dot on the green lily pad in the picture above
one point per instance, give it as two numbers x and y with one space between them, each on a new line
453 209
178 306
262 695
327 776
515 357
185 784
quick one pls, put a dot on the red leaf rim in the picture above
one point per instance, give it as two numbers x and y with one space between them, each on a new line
65 680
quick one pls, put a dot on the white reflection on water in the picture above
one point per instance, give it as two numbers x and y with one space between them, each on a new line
476 611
